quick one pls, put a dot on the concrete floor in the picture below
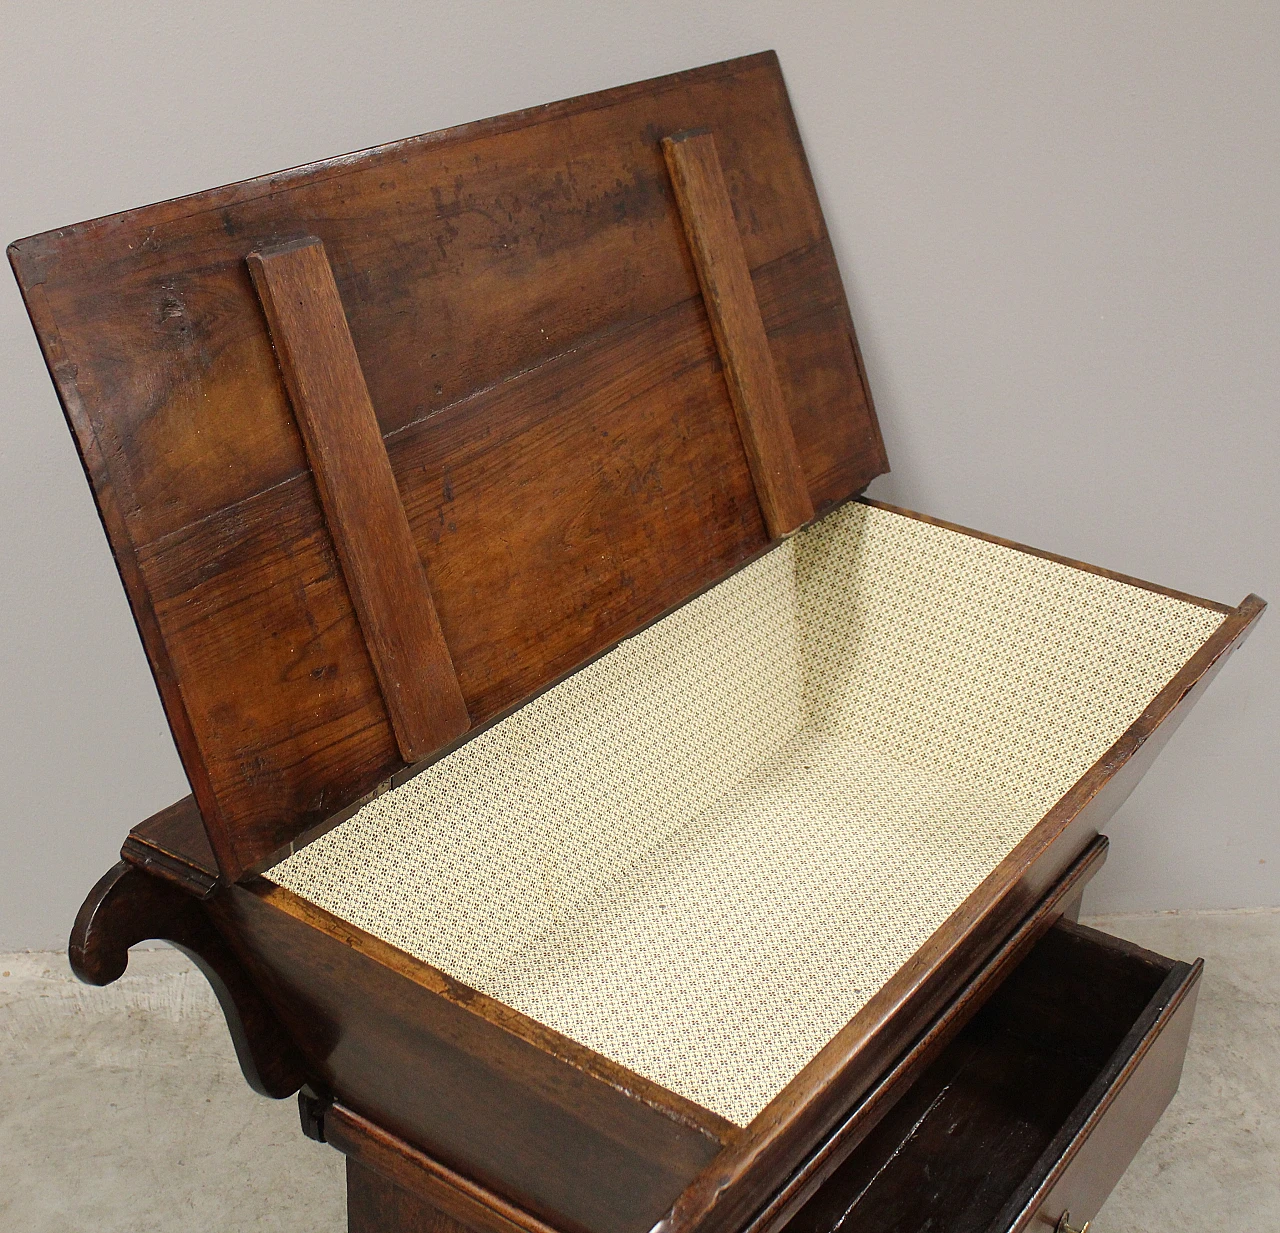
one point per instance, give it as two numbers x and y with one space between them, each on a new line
122 1109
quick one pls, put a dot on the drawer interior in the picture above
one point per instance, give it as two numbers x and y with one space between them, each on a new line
790 783
991 1123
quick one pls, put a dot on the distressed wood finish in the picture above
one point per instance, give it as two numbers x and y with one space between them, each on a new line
599 375
1075 1057
173 845
129 906
1091 1152
358 494
532 334
725 278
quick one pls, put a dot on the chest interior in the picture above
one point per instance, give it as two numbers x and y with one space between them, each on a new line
789 783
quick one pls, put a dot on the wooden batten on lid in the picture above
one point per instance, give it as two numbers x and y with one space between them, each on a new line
358 493
503 395
734 313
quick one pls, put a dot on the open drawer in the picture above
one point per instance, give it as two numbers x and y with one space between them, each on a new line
1033 1112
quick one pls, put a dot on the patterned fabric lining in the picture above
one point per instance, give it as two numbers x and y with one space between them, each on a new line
702 854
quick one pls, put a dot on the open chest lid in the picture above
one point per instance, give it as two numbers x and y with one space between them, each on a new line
388 444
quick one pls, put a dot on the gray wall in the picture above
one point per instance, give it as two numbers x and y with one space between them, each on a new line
1057 224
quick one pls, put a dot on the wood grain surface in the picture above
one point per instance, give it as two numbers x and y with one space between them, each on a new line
533 339
173 845
391 1185
358 494
1059 1078
716 246
1080 1167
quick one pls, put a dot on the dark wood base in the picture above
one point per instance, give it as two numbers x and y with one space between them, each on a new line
393 1187
377 1205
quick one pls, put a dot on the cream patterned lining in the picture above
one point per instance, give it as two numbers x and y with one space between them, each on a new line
703 853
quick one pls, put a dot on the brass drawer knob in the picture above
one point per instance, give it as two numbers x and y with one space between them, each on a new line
1065 1225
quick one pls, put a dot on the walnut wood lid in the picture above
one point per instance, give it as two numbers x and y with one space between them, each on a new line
527 314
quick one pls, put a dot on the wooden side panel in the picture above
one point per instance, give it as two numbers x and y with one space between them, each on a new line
358 493
376 1205
534 343
518 1119
725 278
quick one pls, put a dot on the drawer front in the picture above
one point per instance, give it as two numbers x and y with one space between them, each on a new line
1035 1109
1127 1108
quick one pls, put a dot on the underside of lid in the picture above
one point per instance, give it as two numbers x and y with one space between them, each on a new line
546 343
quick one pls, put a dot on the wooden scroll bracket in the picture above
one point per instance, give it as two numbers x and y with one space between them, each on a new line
129 906
725 278
358 493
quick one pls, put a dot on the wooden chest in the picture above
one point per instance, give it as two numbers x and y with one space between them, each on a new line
607 816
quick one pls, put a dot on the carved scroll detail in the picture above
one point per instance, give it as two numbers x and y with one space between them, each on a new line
128 906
